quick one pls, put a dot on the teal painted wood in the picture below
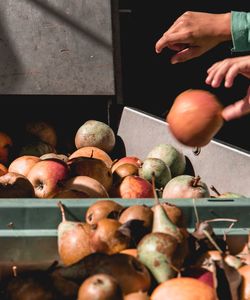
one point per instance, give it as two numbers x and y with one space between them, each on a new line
28 227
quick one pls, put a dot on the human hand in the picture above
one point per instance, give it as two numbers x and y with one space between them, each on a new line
194 33
227 70
238 109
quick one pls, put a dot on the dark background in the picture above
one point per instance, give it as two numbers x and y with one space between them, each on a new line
151 83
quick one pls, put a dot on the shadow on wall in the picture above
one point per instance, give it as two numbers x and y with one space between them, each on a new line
10 63
86 32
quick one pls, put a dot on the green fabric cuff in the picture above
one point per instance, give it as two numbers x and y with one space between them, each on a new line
240 29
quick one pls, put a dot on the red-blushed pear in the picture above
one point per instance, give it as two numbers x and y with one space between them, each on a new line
201 274
185 186
23 164
47 177
133 186
134 160
92 151
195 117
3 169
5 144
14 185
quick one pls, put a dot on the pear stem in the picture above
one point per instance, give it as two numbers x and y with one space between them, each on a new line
215 190
52 267
157 202
196 213
248 240
222 220
212 240
227 231
62 210
14 270
92 153
113 162
195 181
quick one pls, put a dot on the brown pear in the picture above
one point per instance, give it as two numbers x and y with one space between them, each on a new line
73 240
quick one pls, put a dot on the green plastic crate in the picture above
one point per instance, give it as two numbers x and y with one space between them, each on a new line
28 227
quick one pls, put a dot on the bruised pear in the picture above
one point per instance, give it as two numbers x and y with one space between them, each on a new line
73 240
174 213
100 287
102 209
164 250
157 251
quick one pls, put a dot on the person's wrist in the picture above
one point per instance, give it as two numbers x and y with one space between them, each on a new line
224 27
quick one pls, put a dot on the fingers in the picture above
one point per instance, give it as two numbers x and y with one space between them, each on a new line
174 41
227 70
224 70
238 109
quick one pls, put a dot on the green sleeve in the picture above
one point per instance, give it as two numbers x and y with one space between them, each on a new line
240 29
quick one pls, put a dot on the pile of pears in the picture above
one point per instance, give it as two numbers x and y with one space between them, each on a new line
137 252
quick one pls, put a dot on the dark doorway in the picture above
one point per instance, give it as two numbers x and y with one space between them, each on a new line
151 83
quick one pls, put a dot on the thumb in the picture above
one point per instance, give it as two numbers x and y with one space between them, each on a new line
186 54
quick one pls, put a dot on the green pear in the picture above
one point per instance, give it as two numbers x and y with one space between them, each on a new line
157 166
185 186
172 157
226 194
